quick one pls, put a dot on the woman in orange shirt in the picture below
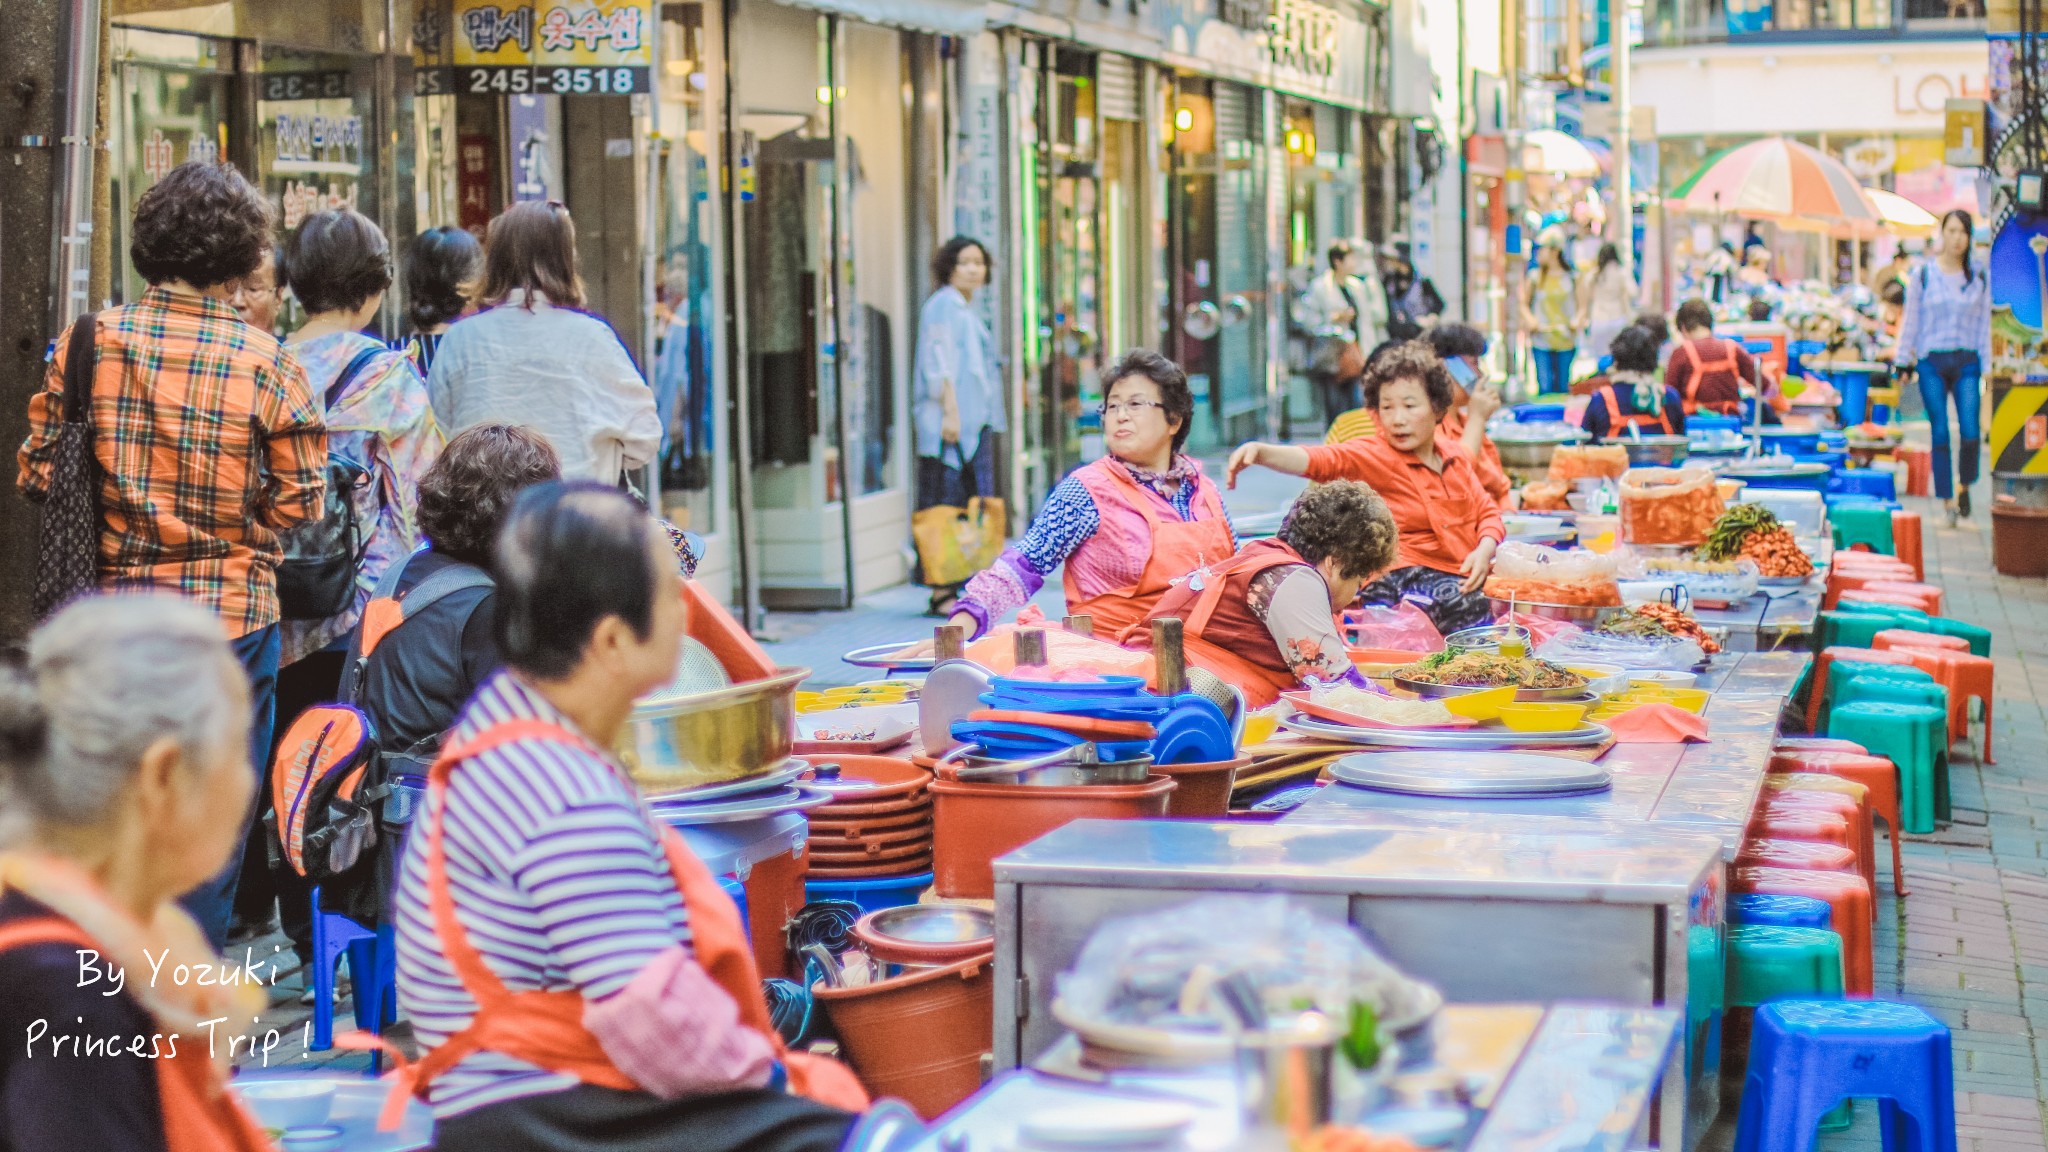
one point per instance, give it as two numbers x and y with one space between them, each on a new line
1448 523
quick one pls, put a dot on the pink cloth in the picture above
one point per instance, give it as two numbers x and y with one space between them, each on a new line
677 1033
1115 557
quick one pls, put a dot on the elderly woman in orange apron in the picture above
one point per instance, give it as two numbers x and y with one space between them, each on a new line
1266 620
124 748
577 978
1124 526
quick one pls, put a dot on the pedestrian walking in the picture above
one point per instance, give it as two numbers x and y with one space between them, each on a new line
124 755
1339 313
1550 313
1125 526
206 437
957 407
534 357
1607 300
1413 303
443 271
1944 344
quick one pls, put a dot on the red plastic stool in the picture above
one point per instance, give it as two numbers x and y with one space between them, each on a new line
1817 744
1853 578
1877 775
1821 818
1932 593
1856 558
1805 855
1919 469
1818 686
1892 638
1848 900
1786 792
1906 541
1964 675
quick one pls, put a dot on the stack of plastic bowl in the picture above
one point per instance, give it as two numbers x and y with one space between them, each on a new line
873 843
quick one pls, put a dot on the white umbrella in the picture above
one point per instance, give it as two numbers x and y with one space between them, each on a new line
1548 150
1900 214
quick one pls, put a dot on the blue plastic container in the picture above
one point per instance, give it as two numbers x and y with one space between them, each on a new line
1539 413
737 891
1877 485
1711 422
1834 440
872 895
1818 482
1789 443
1780 911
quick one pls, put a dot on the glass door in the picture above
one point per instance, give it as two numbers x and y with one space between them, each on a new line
172 96
1069 233
1217 256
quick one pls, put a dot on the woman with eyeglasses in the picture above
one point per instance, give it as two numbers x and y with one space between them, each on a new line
958 400
1124 526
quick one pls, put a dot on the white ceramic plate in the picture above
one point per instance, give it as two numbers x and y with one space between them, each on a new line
1118 1124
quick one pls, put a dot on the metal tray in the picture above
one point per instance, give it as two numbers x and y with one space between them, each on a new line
732 810
776 777
876 656
1455 739
1495 774
1522 695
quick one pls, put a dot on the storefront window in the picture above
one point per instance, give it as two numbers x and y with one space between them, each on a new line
686 387
314 145
1324 183
170 105
1216 225
876 318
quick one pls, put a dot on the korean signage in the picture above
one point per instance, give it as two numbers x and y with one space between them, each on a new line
1298 46
535 47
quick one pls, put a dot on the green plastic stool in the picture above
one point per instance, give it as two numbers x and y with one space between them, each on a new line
1914 617
1914 737
1861 524
1767 962
1978 636
1849 629
1845 676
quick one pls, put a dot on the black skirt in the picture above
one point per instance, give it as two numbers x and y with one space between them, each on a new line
588 1118
1436 593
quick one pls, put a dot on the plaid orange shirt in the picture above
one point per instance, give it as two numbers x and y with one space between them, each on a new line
210 441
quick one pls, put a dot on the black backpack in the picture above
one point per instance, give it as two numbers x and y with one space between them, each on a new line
317 577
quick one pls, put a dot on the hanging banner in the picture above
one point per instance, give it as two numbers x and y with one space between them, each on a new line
535 47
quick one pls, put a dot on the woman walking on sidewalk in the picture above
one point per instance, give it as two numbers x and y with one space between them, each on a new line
1945 340
959 392
1550 313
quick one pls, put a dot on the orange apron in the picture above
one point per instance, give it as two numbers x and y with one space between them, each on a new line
1616 421
1692 385
1178 548
546 1029
1213 651
199 1113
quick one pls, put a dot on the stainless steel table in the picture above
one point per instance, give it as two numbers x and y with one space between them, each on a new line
1591 911
1772 619
1581 1083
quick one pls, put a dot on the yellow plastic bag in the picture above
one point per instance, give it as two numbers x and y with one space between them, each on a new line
954 543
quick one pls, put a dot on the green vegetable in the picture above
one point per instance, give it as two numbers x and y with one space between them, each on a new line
1724 539
1362 1042
1437 660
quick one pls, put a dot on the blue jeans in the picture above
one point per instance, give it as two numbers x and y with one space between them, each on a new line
1953 374
213 902
1553 368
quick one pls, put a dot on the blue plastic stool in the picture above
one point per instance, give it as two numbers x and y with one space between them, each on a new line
372 965
1805 1056
1781 911
872 895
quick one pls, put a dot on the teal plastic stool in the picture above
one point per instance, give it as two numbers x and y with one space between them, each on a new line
1866 524
1845 677
1851 629
1914 737
1769 962
1913 616
1978 636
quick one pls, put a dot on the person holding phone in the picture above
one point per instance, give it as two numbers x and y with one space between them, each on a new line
1475 398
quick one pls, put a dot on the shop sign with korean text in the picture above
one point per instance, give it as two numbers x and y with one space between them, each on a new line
535 47
1301 47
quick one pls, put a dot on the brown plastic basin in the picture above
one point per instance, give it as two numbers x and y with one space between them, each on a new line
1204 788
919 1037
975 823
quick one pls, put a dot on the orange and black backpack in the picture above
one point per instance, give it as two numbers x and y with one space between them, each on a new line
328 781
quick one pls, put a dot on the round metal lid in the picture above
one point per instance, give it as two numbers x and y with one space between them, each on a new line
1489 774
760 806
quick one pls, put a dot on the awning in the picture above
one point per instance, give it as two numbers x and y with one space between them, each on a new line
947 17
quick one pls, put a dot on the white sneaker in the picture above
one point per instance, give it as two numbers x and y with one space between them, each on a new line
1948 512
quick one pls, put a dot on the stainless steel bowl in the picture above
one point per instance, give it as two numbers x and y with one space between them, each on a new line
1655 450
934 923
673 742
1061 775
1532 452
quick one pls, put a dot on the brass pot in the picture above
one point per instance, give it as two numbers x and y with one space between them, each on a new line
674 742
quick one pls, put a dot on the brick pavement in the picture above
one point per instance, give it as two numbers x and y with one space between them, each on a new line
1970 943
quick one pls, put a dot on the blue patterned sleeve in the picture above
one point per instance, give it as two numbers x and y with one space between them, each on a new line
1067 521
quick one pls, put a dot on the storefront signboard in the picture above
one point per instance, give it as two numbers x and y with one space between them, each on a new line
2018 419
1301 47
534 47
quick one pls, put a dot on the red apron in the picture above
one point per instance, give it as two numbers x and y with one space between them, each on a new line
546 1028
1692 385
1616 421
1178 548
1219 646
199 1113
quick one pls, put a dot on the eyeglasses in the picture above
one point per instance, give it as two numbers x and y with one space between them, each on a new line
1133 408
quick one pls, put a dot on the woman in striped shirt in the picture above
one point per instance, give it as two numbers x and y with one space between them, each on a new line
538 885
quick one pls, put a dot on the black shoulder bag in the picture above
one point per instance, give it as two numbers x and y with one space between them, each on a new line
68 551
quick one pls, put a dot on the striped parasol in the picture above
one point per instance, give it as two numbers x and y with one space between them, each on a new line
1775 179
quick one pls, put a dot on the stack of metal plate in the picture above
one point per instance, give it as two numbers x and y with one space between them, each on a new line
1459 739
754 798
1491 775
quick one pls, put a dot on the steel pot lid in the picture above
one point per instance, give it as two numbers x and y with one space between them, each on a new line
758 806
1495 775
780 776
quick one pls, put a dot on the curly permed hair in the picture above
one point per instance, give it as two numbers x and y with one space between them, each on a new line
203 224
465 495
1411 360
1346 521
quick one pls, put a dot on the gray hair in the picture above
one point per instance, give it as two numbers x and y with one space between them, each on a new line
105 678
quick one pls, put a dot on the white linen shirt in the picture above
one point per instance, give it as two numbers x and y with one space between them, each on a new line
559 371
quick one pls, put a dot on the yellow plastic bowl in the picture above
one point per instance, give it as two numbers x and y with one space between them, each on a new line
1691 699
1481 706
1542 717
1259 727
